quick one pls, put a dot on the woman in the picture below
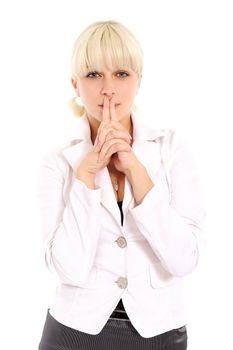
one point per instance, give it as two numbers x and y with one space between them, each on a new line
121 211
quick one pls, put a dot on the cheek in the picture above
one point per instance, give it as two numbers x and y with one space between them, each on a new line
88 101
130 93
87 93
130 90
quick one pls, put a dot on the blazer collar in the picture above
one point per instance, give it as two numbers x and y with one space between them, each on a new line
83 133
143 144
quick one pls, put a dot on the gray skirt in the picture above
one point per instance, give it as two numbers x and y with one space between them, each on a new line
117 334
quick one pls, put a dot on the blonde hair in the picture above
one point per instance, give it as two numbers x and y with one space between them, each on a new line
107 43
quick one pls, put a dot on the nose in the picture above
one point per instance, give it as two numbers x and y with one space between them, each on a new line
108 88
108 93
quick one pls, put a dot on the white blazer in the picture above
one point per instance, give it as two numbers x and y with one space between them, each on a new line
162 236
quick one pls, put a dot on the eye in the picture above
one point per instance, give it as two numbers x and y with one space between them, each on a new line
122 74
93 75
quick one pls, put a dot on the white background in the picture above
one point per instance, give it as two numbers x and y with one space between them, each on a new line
187 85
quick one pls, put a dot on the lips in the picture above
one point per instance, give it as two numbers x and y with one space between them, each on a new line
116 105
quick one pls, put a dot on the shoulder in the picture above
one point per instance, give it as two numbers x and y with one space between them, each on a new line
143 130
173 144
54 158
172 139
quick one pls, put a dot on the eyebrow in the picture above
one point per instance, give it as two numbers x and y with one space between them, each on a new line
93 70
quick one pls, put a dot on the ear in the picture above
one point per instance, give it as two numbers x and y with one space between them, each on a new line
75 85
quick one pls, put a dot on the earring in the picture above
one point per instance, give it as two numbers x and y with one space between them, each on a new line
77 108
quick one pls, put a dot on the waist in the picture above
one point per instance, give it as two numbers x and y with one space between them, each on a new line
119 312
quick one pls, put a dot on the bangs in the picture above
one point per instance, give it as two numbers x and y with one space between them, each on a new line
109 46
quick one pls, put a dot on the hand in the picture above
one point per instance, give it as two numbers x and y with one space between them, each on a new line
113 141
92 163
110 127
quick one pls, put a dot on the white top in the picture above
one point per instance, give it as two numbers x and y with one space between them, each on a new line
82 230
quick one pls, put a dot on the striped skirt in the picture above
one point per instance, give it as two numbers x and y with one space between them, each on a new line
117 334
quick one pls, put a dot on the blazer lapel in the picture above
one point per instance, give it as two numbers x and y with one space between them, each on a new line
146 146
146 149
75 152
108 199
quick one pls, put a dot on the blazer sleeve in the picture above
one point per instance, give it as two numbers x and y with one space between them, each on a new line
174 229
70 221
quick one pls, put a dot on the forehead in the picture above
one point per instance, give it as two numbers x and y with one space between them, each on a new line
116 68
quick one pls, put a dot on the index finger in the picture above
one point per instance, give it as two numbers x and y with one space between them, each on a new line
113 115
106 114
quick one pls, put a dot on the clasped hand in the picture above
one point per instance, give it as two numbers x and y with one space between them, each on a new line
113 141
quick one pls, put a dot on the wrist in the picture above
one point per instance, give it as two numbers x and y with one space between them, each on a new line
140 181
87 178
133 174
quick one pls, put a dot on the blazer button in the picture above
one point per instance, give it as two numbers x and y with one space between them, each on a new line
121 242
122 282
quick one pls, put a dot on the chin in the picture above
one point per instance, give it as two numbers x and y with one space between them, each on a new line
126 115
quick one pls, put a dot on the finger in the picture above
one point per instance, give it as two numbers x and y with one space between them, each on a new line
96 142
100 131
117 125
106 114
113 146
108 127
100 137
112 108
118 134
105 119
108 131
117 149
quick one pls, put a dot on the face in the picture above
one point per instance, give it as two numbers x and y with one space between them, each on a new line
122 83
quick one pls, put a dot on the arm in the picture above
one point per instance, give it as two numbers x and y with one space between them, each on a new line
71 215
142 187
70 222
174 229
